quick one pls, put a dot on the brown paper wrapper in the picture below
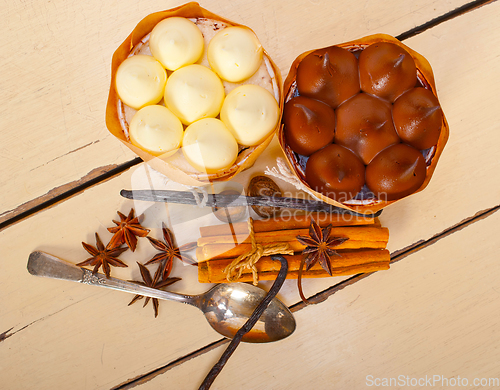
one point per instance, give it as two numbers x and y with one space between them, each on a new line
425 76
246 157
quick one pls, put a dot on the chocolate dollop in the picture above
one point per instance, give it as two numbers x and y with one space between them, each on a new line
396 172
309 124
364 125
386 70
330 75
418 118
336 172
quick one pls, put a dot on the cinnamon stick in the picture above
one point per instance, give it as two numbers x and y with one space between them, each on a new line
356 233
349 263
219 247
293 222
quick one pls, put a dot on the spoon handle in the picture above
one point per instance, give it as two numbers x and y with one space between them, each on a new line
49 266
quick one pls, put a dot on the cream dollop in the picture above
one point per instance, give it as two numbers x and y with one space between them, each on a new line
156 130
209 146
176 42
140 81
194 92
235 53
251 113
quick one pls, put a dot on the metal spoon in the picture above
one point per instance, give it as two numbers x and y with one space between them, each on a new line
227 306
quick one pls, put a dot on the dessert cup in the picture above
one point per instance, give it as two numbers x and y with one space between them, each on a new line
173 165
365 202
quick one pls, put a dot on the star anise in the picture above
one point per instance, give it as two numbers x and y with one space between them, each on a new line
169 251
153 283
319 249
127 231
103 256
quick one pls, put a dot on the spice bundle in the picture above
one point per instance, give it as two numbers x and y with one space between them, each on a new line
362 248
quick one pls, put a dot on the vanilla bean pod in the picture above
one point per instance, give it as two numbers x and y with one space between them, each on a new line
217 368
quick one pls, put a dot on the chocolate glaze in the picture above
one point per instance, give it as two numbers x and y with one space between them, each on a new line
364 125
309 124
335 172
386 70
418 118
396 172
330 75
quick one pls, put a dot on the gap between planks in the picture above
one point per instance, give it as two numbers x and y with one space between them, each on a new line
443 18
315 299
68 190
64 192
5 335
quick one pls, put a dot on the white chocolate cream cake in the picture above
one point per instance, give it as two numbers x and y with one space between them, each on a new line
195 90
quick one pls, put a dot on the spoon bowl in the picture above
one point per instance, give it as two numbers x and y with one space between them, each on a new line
227 306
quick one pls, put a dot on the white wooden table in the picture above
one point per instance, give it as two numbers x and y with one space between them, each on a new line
431 319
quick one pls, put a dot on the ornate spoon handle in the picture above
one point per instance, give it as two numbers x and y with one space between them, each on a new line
43 264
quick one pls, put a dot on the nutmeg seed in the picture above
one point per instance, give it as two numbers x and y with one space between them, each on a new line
264 186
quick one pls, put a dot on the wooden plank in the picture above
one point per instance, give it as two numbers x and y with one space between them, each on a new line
466 181
79 330
54 85
433 314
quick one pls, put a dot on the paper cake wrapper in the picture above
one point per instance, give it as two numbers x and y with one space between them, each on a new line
246 157
425 75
